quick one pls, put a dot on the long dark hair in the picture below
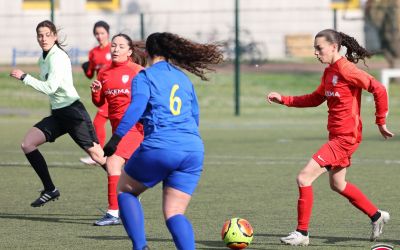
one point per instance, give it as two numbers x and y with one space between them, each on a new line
354 52
53 29
138 54
194 57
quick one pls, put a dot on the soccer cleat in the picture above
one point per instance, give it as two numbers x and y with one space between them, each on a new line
146 248
107 220
46 196
377 226
87 160
296 239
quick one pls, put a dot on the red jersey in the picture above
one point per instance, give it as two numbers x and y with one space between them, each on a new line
116 89
98 58
341 86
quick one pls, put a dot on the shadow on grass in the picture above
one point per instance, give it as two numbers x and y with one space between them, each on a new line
336 240
209 243
55 218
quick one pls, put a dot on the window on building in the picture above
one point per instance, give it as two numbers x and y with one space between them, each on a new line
102 4
38 4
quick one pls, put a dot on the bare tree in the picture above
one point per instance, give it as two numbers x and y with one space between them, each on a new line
384 15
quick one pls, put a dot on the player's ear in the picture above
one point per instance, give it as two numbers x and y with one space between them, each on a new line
335 47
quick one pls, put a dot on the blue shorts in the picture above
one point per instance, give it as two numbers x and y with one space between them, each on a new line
177 169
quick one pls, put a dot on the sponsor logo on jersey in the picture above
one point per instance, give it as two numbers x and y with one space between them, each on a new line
334 80
125 78
382 247
108 56
331 93
116 91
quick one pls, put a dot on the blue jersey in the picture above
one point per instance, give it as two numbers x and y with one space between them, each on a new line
170 116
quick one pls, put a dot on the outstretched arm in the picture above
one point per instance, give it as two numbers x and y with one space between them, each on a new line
310 100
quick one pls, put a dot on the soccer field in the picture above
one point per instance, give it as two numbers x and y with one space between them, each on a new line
250 168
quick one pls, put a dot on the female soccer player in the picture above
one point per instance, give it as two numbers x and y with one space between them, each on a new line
113 87
99 57
172 150
341 86
68 115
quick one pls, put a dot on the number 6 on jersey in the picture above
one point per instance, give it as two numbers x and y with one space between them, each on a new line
175 99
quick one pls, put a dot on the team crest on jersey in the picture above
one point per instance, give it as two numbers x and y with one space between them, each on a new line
382 247
108 56
125 78
334 80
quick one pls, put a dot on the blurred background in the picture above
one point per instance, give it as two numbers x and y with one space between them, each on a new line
251 159
269 29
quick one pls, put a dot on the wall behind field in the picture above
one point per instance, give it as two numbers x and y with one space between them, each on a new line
264 23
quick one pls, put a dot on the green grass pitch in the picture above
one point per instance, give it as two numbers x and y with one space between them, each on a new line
250 168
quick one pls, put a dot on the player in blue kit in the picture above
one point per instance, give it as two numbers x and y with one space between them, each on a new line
172 150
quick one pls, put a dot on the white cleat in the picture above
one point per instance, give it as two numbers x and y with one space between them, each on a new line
87 160
377 226
296 239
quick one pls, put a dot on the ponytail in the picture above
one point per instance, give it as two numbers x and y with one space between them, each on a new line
354 52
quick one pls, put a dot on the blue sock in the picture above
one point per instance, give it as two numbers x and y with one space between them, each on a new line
131 214
182 232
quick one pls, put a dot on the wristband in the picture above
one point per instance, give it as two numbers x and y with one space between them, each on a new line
22 77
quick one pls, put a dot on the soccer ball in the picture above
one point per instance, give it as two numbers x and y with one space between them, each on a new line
237 233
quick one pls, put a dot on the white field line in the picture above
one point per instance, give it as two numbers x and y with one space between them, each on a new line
226 160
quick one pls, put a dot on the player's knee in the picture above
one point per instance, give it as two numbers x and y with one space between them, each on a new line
337 187
113 169
168 213
27 147
303 179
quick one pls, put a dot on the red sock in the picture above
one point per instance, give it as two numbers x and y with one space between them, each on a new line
112 192
358 199
304 207
99 124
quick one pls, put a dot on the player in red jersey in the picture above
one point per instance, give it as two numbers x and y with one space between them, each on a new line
113 86
341 86
99 57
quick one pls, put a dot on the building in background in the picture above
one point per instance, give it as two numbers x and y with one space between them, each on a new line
270 29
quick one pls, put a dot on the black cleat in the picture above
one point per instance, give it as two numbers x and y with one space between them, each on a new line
46 196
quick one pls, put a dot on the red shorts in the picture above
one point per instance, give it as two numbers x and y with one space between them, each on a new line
336 152
130 142
103 110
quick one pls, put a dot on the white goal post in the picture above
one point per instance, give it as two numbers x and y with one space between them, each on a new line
386 74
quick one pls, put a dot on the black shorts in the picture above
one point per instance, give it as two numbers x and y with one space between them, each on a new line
74 120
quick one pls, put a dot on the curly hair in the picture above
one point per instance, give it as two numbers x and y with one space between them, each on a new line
191 56
354 52
138 54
